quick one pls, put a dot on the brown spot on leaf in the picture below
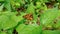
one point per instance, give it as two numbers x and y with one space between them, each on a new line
28 16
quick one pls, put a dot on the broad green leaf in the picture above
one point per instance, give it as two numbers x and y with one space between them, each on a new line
28 29
3 33
51 32
19 28
8 20
48 16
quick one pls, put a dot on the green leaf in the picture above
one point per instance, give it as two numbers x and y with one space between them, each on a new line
3 33
58 0
1 0
7 5
30 8
19 18
38 4
58 24
1 7
48 17
28 29
17 5
51 32
10 31
7 20
20 1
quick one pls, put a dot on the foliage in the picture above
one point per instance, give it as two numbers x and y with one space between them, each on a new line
29 16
